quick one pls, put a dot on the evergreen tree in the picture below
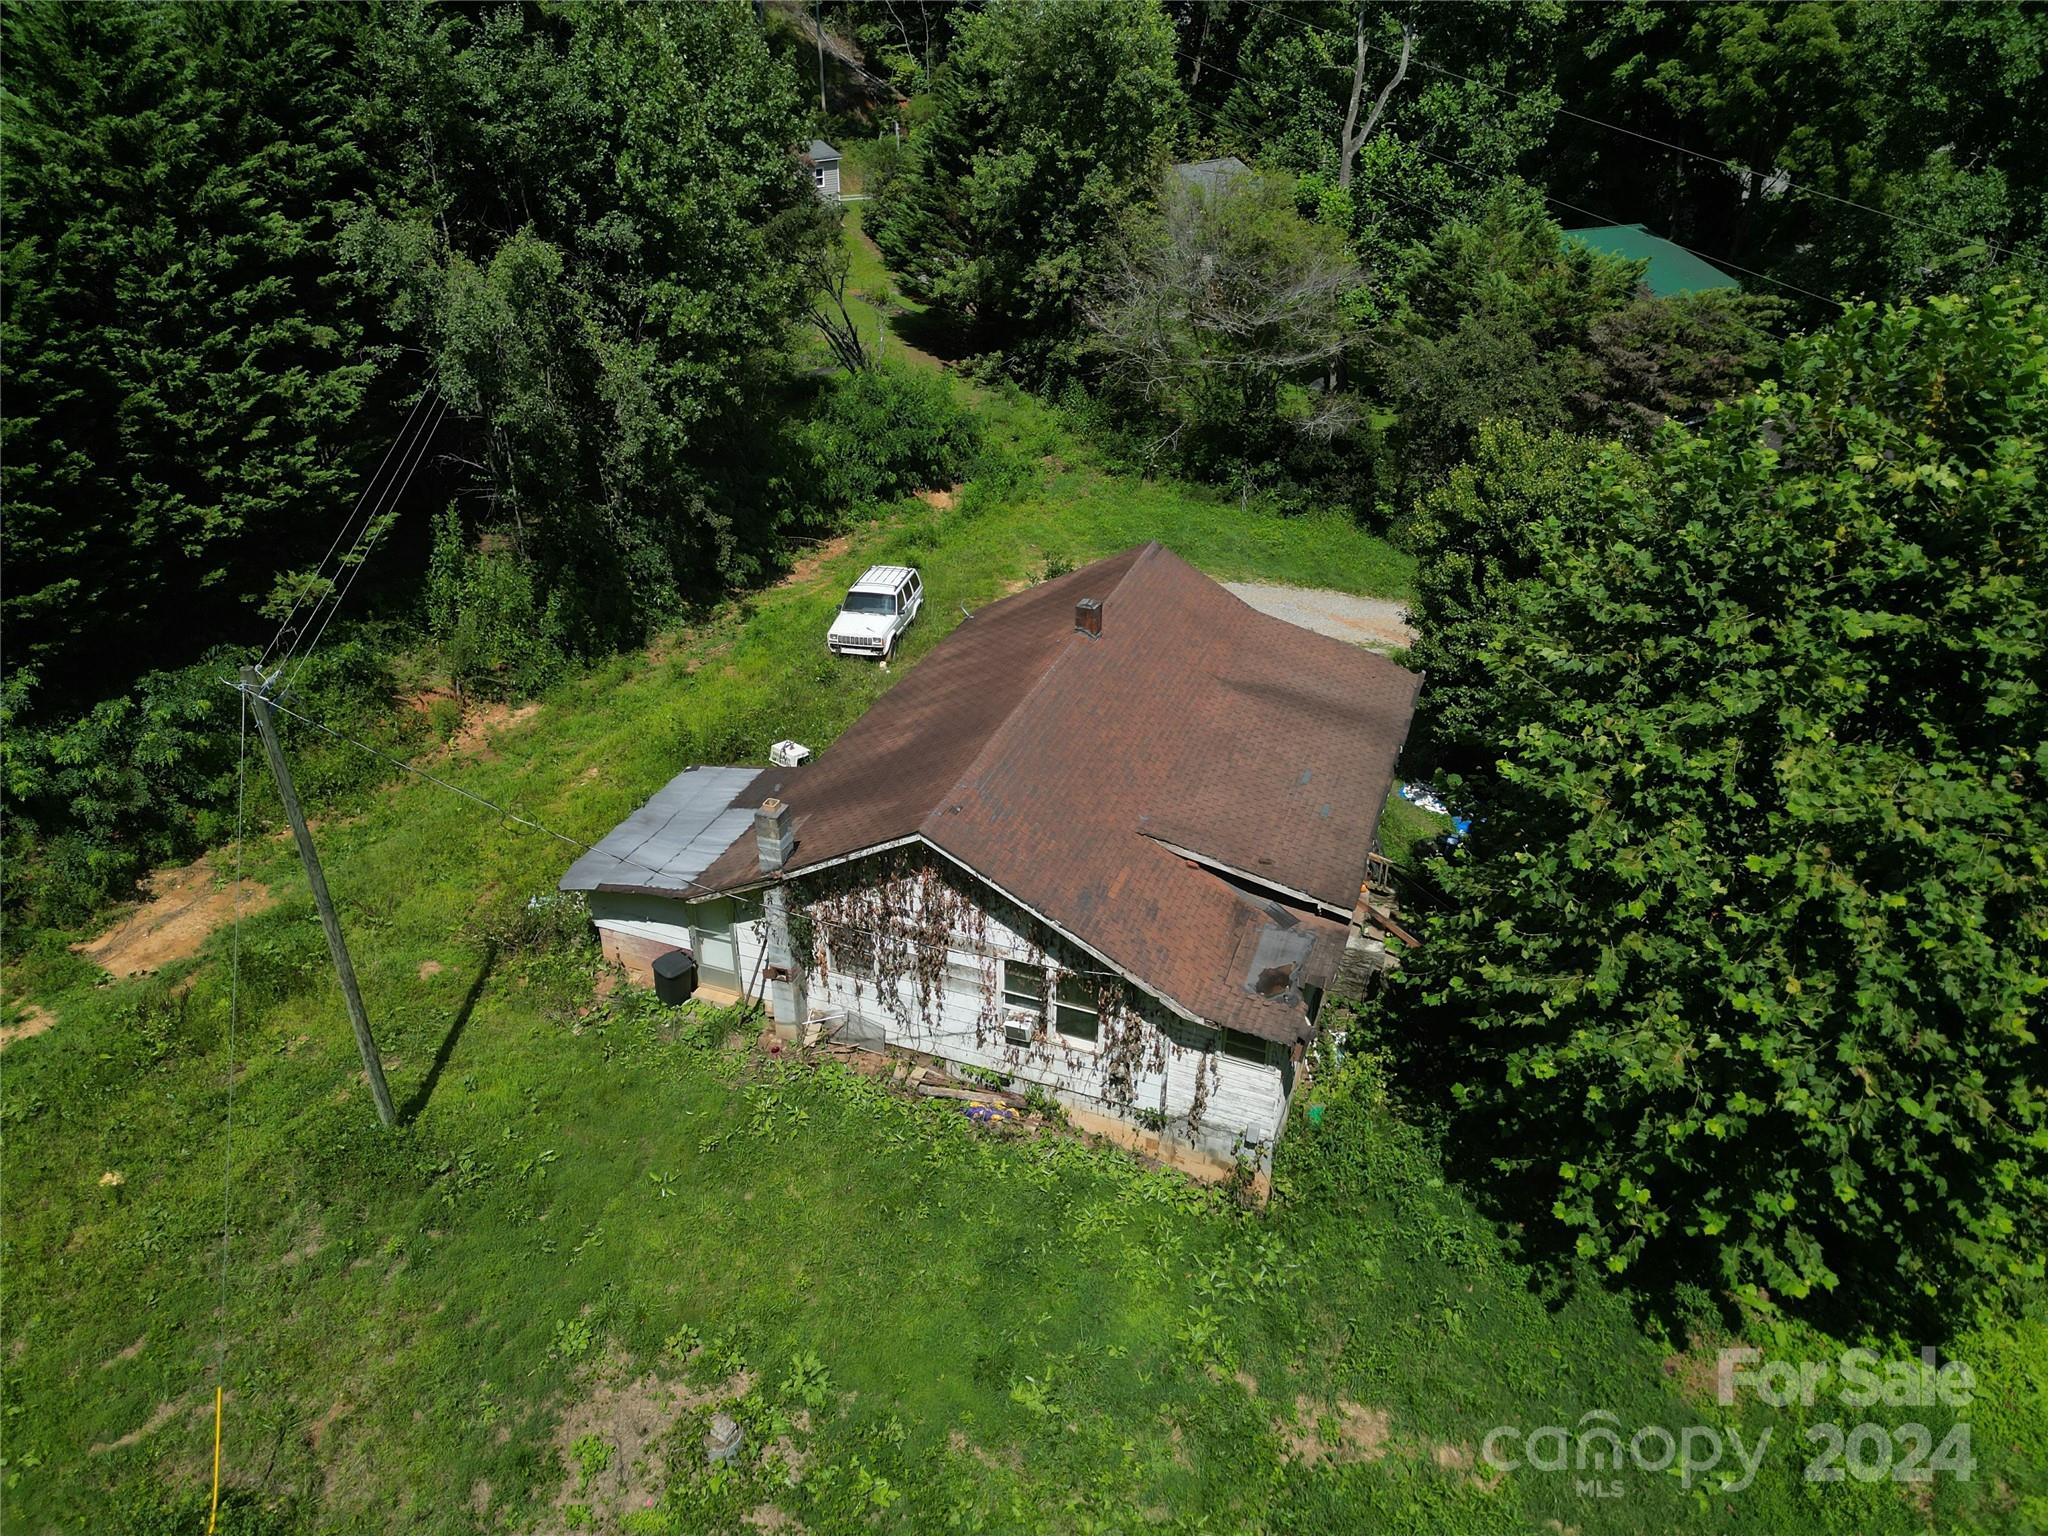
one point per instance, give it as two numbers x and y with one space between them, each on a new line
1049 120
189 387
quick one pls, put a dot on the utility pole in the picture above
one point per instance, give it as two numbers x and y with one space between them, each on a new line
373 1067
818 21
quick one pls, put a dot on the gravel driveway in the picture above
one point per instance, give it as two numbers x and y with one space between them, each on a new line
1380 623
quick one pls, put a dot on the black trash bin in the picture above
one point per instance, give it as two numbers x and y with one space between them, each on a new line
675 976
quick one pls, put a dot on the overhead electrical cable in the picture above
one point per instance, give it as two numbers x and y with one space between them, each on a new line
403 435
1573 207
359 554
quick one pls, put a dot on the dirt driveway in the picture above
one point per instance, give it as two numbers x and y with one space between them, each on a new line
1379 623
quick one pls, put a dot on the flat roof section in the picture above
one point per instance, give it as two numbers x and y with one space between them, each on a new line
672 839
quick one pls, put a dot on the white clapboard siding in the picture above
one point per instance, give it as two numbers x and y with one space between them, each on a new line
1244 1106
644 916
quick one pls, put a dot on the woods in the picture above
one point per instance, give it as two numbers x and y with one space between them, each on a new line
244 243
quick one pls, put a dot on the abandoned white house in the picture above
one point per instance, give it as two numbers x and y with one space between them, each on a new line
821 163
1109 838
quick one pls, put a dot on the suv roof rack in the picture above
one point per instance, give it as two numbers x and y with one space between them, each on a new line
886 578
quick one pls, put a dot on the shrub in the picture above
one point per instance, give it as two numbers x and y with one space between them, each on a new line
496 634
887 431
136 780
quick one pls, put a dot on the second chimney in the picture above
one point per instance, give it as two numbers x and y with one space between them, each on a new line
1088 616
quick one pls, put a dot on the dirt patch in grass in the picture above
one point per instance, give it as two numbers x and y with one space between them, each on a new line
1697 1372
481 722
184 906
941 500
125 1354
808 566
316 1431
28 1022
430 968
610 1442
1362 1433
314 1240
163 1415
769 1518
1012 1460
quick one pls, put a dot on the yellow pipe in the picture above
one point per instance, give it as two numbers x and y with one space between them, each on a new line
214 1518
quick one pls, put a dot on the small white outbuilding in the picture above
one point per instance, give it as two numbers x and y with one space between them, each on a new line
821 161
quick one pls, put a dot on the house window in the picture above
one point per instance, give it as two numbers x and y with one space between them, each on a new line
1265 1053
1024 988
817 177
1076 1011
852 953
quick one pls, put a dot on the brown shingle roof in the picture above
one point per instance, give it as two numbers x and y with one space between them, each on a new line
1060 768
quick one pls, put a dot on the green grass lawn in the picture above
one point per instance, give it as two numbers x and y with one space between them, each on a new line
602 1222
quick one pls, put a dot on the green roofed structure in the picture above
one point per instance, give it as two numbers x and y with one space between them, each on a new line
1673 269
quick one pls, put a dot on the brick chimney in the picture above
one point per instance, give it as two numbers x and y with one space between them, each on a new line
774 835
1088 617
774 841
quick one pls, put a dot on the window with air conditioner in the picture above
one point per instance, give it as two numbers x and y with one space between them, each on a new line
1023 1000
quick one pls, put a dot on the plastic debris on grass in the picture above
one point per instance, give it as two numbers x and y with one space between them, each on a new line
1424 798
983 1112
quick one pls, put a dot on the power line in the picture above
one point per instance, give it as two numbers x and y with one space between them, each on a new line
227 1139
1591 214
1775 175
579 844
359 553
470 795
369 485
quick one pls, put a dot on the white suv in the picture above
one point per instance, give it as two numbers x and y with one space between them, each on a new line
878 608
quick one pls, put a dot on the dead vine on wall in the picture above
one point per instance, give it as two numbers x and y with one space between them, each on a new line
891 923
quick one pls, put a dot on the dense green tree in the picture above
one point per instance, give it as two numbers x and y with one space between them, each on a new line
900 41
600 261
1914 137
1492 319
1742 969
191 393
1475 544
1050 119
1445 133
1670 358
240 241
